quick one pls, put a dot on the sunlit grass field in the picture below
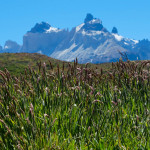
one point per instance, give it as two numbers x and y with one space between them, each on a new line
16 63
58 105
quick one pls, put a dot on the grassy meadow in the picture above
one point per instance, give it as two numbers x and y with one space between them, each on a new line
16 63
47 104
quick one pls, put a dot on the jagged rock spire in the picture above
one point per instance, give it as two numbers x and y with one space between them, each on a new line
114 30
91 23
88 18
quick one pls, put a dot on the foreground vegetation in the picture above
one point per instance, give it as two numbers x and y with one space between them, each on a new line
75 107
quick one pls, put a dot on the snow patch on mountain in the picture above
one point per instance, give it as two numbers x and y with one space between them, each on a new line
79 27
135 41
6 47
126 43
95 21
120 38
52 29
117 37
93 33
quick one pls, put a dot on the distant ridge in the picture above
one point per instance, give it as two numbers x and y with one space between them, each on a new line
89 42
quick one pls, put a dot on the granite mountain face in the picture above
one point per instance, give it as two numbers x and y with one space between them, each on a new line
89 42
43 39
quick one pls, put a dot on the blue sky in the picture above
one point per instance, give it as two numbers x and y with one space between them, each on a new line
131 17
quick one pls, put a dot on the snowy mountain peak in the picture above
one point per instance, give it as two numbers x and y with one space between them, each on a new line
40 27
91 23
43 27
91 20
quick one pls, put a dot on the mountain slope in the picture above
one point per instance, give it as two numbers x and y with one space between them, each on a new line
89 42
